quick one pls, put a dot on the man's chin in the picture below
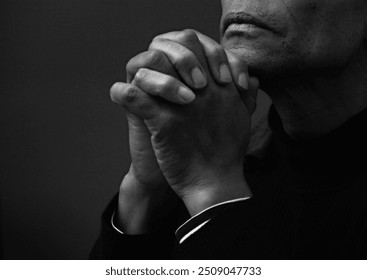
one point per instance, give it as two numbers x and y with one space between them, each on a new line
266 64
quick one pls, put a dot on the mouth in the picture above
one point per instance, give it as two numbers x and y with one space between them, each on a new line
241 18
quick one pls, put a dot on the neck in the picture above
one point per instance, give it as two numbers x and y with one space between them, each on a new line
313 105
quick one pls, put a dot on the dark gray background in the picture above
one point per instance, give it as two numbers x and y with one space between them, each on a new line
63 143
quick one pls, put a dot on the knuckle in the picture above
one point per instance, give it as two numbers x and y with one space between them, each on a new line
217 52
189 34
185 61
235 61
158 38
238 63
164 36
155 57
140 75
239 67
166 85
133 63
161 85
130 95
155 43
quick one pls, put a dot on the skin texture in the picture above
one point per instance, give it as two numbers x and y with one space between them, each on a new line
193 149
308 35
312 64
189 100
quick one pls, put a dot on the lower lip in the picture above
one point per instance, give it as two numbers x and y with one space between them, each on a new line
244 29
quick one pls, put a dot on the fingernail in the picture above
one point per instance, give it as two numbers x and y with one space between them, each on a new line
185 94
225 74
198 77
243 81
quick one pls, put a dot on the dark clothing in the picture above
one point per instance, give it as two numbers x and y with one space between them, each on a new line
310 202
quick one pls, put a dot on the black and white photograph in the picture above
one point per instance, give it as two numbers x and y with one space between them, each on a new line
184 130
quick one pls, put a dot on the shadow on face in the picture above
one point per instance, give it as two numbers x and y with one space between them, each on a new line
283 37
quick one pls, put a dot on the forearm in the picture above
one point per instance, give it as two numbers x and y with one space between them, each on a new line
140 209
146 222
111 244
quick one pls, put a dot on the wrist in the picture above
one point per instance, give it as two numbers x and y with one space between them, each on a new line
132 187
141 208
214 189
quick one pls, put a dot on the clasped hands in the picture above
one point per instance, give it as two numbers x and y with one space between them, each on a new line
188 103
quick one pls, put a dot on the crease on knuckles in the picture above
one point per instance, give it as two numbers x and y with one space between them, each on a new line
185 60
216 52
187 36
140 75
130 95
217 57
136 102
166 86
184 36
155 58
133 65
163 85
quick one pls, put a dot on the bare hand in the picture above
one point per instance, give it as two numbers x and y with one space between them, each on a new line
200 146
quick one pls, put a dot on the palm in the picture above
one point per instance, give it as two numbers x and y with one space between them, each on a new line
144 162
209 132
